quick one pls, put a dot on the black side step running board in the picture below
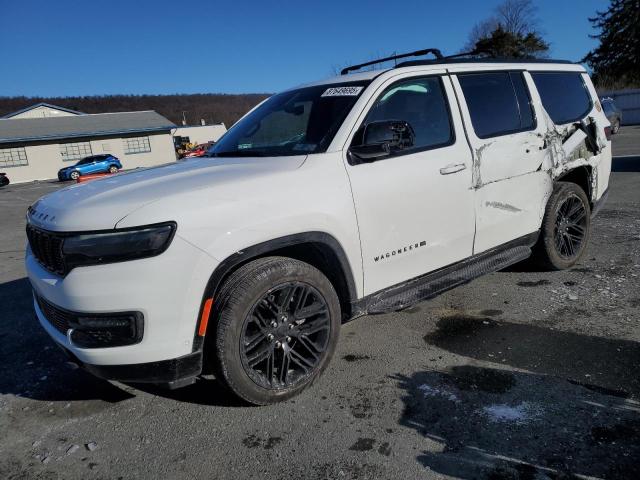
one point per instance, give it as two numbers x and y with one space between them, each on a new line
427 286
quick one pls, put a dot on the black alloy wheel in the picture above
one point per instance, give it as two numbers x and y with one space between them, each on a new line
273 330
565 229
571 227
285 335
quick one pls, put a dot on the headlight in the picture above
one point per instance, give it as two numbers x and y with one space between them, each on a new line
117 246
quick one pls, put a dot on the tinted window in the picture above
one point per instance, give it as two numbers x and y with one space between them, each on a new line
498 103
564 95
422 103
93 158
86 160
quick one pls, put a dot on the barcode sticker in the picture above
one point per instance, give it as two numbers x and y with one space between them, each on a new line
342 92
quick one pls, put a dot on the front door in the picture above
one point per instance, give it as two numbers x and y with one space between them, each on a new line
96 166
507 142
414 208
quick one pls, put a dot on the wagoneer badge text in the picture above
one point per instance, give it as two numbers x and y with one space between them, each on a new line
399 251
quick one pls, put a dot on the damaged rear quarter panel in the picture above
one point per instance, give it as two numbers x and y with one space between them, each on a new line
514 174
568 148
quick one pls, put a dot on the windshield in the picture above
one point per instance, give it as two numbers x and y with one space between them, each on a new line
296 122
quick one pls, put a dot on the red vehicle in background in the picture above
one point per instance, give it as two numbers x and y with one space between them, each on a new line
198 151
4 180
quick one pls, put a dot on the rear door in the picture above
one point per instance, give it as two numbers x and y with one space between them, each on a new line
98 165
506 138
415 209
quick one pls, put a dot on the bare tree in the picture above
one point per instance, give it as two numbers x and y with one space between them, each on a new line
517 17
212 107
479 31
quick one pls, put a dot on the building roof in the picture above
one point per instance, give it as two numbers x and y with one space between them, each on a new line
16 130
219 124
42 104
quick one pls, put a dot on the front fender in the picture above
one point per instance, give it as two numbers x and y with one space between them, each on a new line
263 248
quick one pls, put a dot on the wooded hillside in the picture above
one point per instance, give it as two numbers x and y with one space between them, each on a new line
214 108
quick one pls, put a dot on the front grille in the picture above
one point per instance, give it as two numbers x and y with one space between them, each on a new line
60 319
47 248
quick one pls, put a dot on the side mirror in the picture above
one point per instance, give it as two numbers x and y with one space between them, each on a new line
383 138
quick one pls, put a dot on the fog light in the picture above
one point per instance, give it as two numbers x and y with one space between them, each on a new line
106 330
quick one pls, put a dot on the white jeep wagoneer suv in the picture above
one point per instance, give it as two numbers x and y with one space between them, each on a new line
360 194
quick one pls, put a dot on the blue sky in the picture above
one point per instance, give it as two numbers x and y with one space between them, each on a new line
96 47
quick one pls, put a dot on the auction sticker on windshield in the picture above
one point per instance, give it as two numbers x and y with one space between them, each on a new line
342 92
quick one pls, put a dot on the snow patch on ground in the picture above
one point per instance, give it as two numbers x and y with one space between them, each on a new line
429 391
507 413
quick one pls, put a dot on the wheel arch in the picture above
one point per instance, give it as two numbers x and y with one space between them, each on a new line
319 249
583 177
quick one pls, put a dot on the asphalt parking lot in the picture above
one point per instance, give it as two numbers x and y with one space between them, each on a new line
520 374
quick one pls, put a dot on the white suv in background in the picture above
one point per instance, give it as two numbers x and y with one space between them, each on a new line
360 194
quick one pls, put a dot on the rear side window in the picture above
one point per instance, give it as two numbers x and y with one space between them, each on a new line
564 95
498 102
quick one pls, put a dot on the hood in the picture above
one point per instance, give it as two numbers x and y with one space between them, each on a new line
101 203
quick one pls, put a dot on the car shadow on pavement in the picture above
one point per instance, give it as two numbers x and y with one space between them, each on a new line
31 365
206 391
626 164
574 412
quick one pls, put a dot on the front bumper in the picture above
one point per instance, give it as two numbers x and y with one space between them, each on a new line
167 290
172 373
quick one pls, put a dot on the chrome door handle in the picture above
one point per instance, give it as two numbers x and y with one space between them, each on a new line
449 169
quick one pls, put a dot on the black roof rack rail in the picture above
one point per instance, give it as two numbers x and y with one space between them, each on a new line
474 57
447 60
418 53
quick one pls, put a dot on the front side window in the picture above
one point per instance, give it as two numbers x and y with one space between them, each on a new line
136 145
86 161
498 103
421 102
13 157
71 152
296 122
92 159
564 95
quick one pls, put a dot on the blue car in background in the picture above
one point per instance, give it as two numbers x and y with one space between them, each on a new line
105 163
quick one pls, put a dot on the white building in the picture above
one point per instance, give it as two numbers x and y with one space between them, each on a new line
43 110
200 133
35 143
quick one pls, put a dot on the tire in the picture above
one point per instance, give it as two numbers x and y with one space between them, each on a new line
74 175
268 349
113 169
566 228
